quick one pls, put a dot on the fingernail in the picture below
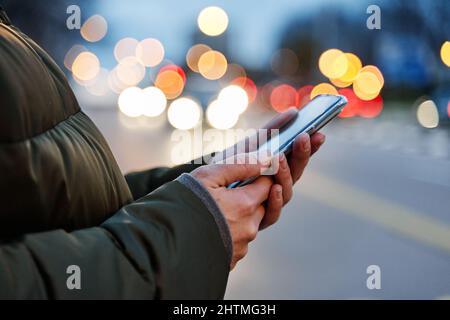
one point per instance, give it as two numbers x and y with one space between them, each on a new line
322 140
283 162
279 193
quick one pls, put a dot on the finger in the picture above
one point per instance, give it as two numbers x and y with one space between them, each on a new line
257 192
238 168
284 178
258 217
281 119
317 140
274 206
301 152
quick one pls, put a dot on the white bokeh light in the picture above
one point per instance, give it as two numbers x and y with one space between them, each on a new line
154 102
234 98
220 117
184 113
131 102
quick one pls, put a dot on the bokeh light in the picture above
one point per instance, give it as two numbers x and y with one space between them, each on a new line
367 85
114 82
184 113
72 54
86 66
94 28
283 97
170 82
371 108
304 95
340 84
130 102
354 65
221 116
234 71
445 53
285 62
212 65
248 85
130 71
427 114
333 63
150 52
99 85
212 21
175 68
125 47
353 103
154 102
193 55
234 98
322 88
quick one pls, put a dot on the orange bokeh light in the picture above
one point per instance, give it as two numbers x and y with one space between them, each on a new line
175 68
248 85
170 82
283 97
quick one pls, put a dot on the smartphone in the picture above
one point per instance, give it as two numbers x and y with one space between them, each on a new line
312 117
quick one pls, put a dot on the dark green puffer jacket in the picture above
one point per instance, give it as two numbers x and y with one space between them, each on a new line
65 202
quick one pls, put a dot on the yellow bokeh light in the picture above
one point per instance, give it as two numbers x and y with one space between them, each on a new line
333 63
130 71
125 47
94 29
220 116
150 52
340 84
212 21
323 88
184 113
194 54
427 114
72 54
445 53
235 99
154 102
130 102
170 82
354 65
212 65
367 85
375 71
86 66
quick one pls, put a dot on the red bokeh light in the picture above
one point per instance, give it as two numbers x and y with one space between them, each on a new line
264 93
359 107
371 108
283 97
448 108
304 95
248 85
353 105
175 68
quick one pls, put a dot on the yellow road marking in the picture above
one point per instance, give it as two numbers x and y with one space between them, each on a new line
368 206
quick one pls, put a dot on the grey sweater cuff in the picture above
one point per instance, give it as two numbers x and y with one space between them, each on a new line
200 191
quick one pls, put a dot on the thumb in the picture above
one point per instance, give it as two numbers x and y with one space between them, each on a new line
239 167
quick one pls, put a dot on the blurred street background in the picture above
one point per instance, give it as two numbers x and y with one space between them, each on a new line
378 192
